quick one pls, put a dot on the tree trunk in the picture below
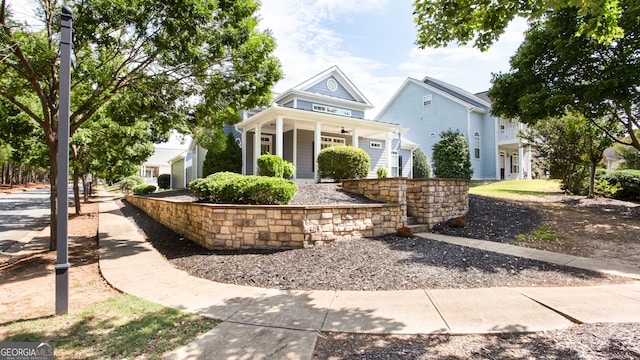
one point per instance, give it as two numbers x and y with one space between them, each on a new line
592 180
76 180
53 179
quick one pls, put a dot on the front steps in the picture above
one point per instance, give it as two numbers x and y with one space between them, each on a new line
412 224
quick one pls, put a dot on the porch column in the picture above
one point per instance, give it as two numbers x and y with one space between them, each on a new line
295 151
316 149
279 136
521 162
243 148
388 149
256 148
354 138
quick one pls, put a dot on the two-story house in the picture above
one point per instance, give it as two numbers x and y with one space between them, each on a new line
431 106
326 110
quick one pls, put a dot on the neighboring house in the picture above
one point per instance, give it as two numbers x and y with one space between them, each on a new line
326 110
611 159
431 106
159 162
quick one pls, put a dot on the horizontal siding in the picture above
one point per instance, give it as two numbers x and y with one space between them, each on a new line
304 167
321 88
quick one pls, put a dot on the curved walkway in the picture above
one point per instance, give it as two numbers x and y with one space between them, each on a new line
273 324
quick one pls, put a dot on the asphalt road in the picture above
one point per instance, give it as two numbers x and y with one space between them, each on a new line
21 213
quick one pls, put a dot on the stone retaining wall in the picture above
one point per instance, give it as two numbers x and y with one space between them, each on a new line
217 226
432 201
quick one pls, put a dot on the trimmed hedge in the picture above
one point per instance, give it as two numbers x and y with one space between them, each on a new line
130 182
289 170
343 162
625 182
382 173
233 188
143 189
164 181
270 165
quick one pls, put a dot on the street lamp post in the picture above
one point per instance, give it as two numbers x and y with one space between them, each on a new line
62 258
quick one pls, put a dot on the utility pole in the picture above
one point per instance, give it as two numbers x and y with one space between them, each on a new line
62 258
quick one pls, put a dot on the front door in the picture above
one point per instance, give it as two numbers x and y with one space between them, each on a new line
501 166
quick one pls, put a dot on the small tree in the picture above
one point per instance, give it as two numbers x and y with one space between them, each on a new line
421 166
451 158
227 159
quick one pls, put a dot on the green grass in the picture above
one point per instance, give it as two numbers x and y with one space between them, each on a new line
514 188
543 232
122 326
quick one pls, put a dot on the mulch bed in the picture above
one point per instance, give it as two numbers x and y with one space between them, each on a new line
385 263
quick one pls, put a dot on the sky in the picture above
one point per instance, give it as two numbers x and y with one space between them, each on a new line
371 41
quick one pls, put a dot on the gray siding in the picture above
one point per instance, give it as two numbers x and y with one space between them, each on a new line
378 156
249 152
307 105
177 174
321 88
304 170
287 146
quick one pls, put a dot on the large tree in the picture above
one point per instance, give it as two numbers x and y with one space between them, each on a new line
441 22
204 58
555 71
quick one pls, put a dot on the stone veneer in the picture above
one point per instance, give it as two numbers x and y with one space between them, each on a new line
430 201
217 226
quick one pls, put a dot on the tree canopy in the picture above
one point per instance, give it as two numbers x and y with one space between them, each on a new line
440 22
169 64
451 157
555 71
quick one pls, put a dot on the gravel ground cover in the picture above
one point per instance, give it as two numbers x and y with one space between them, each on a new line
385 263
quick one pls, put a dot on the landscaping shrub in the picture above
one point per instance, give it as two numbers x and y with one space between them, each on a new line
164 181
143 189
382 173
343 162
457 223
627 181
421 166
130 182
233 188
226 158
451 157
288 171
405 232
271 165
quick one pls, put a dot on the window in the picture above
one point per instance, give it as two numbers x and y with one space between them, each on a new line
375 145
332 85
328 141
265 145
394 163
331 110
476 145
427 100
515 161
502 126
151 171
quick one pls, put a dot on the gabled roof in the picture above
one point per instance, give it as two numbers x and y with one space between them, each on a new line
333 72
457 92
449 91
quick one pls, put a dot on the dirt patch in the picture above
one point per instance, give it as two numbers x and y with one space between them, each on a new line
28 284
600 228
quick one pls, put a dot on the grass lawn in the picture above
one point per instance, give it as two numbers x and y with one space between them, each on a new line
122 326
515 188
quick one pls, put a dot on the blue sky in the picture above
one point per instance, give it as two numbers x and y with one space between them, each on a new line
372 41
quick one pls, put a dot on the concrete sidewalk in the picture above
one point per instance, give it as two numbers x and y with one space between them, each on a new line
277 324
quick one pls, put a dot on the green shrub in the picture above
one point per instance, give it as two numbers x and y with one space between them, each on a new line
288 171
343 162
421 166
382 173
271 165
130 182
233 188
143 189
451 157
164 181
627 181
